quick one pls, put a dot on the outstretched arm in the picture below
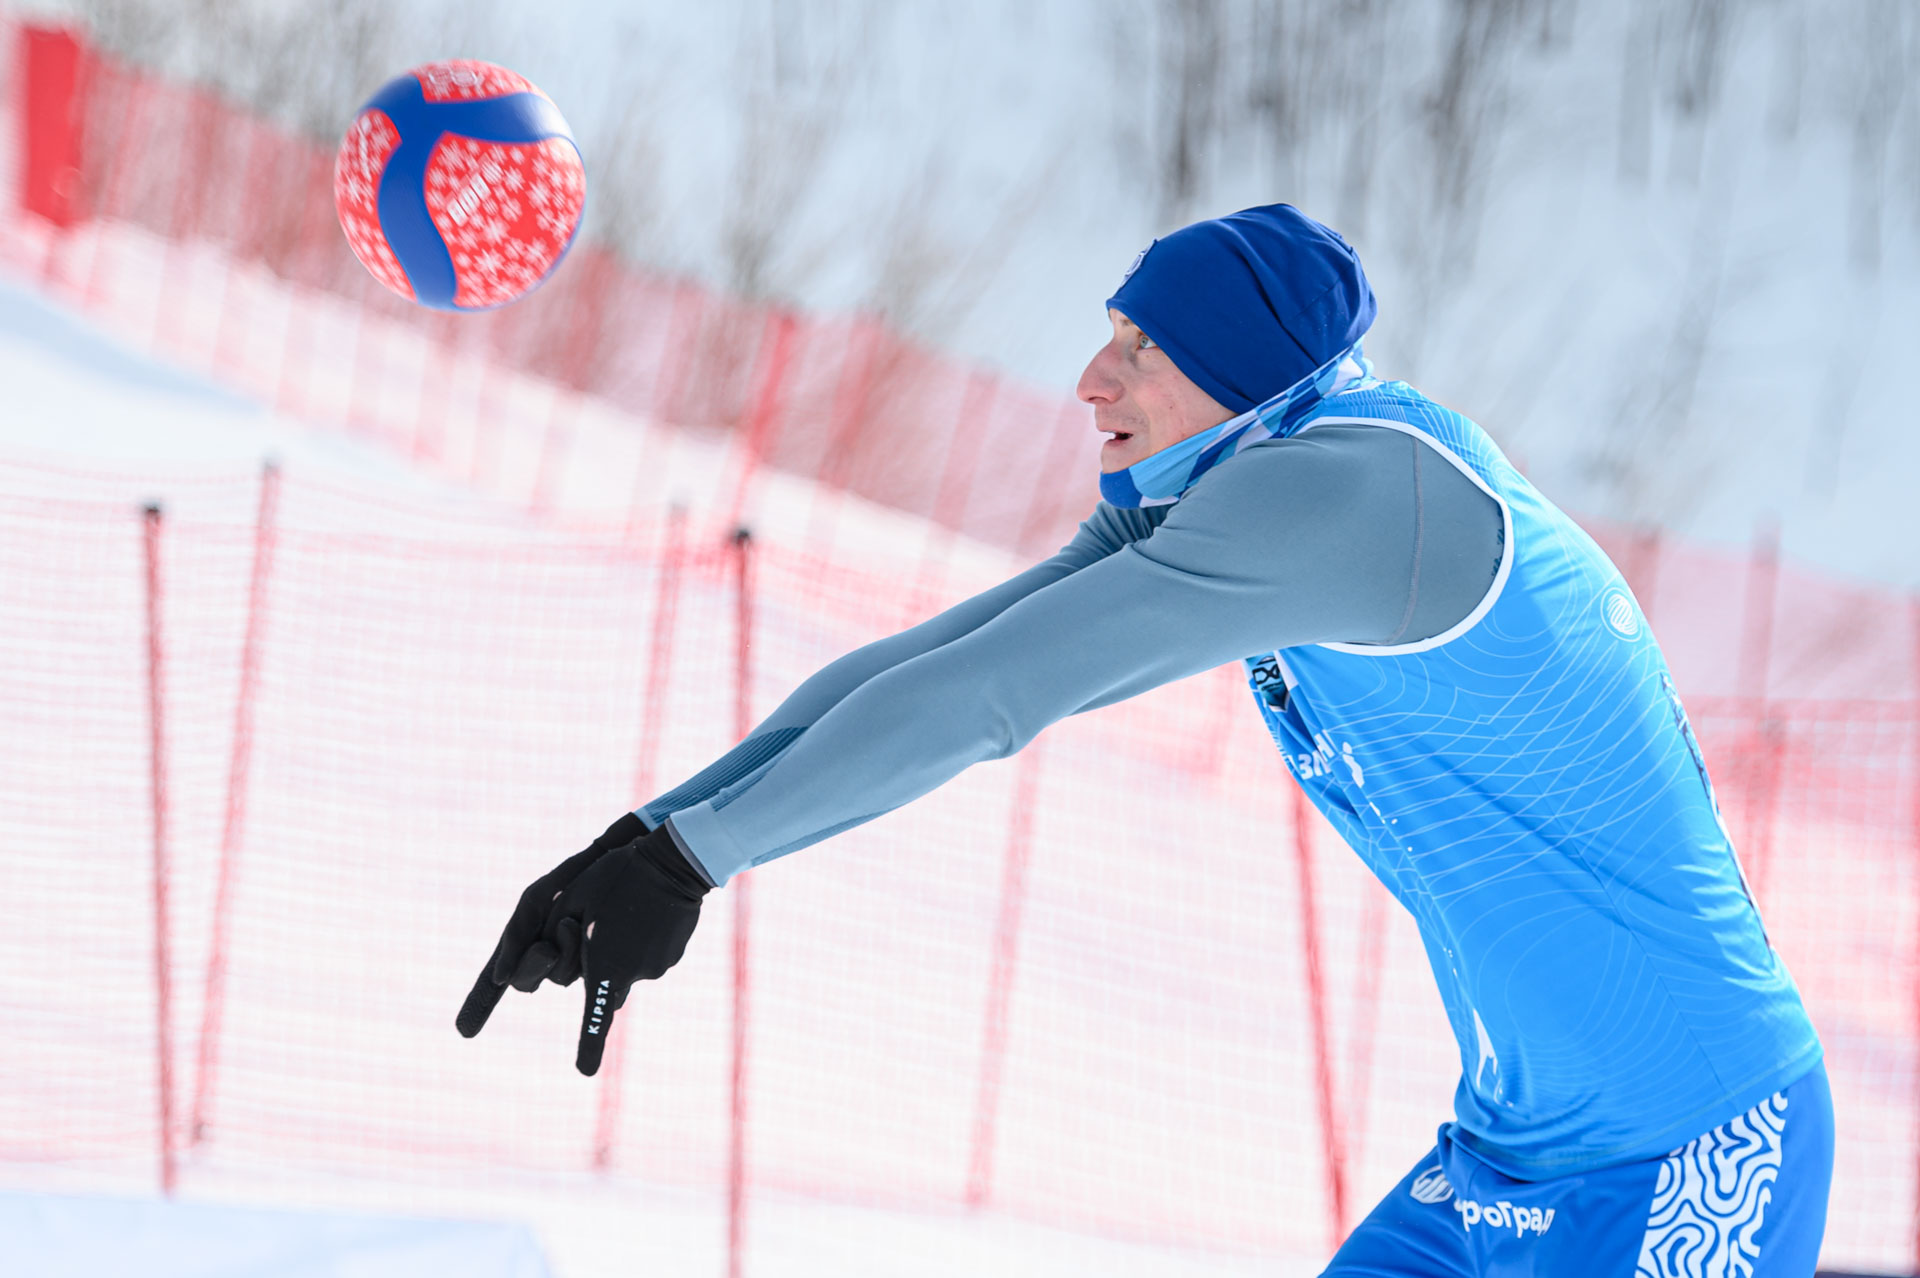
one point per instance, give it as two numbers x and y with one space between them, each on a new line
1319 538
1104 532
623 909
1348 533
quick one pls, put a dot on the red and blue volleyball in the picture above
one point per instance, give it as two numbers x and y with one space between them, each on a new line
459 185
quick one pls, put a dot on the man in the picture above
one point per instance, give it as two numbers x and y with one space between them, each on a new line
1464 686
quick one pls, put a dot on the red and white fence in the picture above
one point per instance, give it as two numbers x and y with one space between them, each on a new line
272 781
278 758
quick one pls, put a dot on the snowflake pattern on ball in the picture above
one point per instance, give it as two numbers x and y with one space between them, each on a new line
506 212
356 194
465 79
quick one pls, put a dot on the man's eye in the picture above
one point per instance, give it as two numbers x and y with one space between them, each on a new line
1144 343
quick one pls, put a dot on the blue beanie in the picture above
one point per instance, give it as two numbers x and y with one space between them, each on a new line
1248 304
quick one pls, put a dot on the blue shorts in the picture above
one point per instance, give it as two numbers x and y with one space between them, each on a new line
1749 1198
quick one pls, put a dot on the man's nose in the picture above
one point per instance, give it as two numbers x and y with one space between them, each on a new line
1097 383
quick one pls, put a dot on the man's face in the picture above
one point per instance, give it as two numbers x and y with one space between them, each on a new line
1140 399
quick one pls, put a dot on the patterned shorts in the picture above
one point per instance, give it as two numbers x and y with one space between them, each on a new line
1746 1200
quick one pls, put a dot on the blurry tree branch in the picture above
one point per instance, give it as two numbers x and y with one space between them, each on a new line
1191 39
307 66
1884 61
794 95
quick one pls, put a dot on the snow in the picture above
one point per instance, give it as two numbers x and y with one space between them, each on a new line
588 1229
57 1236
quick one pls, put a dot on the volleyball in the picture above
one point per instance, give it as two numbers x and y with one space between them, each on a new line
459 185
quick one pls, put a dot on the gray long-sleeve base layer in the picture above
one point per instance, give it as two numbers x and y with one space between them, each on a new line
1343 534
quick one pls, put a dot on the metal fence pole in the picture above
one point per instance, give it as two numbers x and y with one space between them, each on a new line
1763 744
232 831
157 742
741 890
776 350
1913 789
1333 1147
1006 953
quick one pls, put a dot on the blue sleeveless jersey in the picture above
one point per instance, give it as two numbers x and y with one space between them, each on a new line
1527 785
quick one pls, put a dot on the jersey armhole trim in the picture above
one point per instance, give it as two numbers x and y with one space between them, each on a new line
1500 574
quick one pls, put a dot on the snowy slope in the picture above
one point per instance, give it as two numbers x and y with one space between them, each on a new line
1682 282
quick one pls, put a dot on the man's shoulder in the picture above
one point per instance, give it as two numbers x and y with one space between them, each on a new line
1353 484
1336 465
1350 456
1115 526
1336 439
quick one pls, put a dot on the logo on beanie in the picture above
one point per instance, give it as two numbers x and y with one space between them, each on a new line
1138 258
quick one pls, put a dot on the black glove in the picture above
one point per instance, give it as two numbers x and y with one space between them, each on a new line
621 911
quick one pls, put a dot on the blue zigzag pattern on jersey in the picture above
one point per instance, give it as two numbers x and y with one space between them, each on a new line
409 228
1711 1198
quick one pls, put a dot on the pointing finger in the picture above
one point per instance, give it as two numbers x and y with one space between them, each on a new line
479 1005
603 1000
